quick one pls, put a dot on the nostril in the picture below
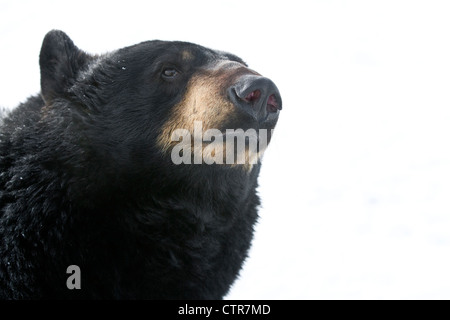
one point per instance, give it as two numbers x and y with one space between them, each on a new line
253 96
257 96
272 104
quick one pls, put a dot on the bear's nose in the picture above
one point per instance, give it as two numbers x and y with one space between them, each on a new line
256 95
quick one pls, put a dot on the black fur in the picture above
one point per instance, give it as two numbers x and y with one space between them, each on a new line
84 183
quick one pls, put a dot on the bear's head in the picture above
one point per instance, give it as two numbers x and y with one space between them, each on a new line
159 104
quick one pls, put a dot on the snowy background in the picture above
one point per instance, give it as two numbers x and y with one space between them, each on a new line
356 183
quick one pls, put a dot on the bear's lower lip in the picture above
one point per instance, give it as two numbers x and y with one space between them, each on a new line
248 135
245 124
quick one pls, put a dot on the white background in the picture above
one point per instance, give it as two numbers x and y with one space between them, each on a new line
356 183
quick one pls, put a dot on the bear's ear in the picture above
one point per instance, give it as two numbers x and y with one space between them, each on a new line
60 61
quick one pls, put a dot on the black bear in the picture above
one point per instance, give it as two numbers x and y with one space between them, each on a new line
128 168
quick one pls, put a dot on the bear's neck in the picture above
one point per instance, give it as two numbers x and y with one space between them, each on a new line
198 190
202 188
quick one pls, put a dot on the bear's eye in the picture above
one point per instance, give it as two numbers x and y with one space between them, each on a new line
169 73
